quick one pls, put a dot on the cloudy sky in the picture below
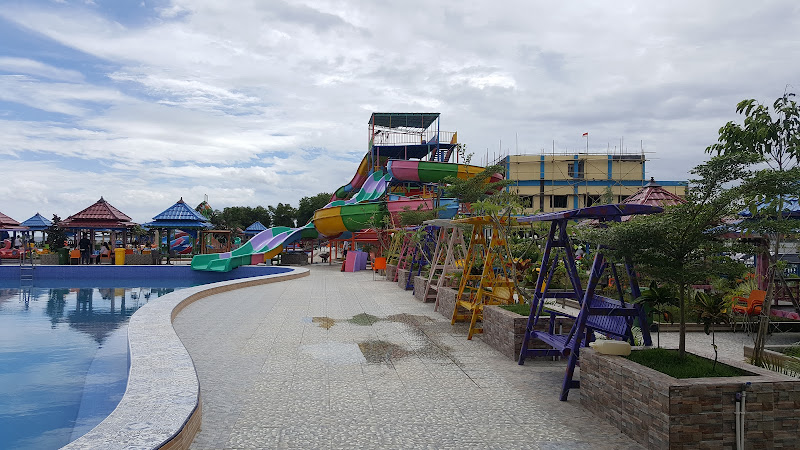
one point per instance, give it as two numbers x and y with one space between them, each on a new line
256 102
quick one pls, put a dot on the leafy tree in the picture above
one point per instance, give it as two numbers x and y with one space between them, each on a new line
241 217
476 188
307 206
770 142
682 245
56 235
607 197
283 215
659 300
711 309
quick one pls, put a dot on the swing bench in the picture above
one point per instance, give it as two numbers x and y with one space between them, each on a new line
597 314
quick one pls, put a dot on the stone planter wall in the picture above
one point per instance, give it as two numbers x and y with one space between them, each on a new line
294 258
138 260
447 302
504 330
419 289
391 269
402 278
661 412
49 259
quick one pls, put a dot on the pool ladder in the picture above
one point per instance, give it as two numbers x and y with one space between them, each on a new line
26 268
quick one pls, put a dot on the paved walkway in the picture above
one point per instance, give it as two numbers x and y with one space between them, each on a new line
337 360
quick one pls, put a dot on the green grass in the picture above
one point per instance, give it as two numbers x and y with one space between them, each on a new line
792 351
692 366
519 308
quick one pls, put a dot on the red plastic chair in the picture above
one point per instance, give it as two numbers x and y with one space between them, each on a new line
749 306
378 264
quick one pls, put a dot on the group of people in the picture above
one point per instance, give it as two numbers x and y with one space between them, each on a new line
85 246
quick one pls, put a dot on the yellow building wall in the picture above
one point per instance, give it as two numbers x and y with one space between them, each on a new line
595 168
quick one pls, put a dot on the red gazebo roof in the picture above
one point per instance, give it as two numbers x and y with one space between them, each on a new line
100 215
7 223
654 195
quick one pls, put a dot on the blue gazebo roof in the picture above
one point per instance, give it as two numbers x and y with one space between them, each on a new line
38 223
791 208
179 215
255 228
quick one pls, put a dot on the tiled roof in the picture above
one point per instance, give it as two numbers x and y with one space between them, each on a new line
100 215
6 221
180 211
654 195
791 208
37 222
256 227
179 215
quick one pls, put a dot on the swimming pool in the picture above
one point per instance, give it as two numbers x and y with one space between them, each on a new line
63 350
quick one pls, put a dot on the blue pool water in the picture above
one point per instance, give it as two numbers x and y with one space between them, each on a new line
63 350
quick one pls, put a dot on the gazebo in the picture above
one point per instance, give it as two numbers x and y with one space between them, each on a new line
9 224
179 216
791 211
38 223
255 228
99 216
654 194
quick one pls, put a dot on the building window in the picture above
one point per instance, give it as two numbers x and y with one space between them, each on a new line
526 200
622 198
575 169
593 199
559 201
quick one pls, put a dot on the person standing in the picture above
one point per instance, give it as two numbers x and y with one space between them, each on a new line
86 249
17 242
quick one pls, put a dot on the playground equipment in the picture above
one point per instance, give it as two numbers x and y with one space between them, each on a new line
610 317
181 243
6 252
448 258
423 249
493 286
386 182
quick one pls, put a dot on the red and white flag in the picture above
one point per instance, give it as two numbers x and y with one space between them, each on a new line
586 134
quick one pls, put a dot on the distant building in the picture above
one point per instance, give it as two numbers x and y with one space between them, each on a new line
555 182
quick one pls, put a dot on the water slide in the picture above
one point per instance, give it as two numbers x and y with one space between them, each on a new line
260 248
363 210
338 217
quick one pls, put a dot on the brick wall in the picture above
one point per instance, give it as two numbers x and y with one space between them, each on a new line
447 302
402 278
661 412
419 288
391 270
504 330
50 259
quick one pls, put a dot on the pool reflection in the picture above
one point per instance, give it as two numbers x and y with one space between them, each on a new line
63 360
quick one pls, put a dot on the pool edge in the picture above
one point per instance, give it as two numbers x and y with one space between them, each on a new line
161 407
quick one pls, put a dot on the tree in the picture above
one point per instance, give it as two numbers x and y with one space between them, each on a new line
307 206
476 188
56 235
681 246
283 215
241 217
770 141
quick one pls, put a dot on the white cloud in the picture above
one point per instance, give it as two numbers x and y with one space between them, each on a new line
30 67
203 96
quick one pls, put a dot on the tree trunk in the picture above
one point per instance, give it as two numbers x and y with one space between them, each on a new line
763 319
682 314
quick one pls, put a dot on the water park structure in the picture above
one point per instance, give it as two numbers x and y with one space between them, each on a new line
408 157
